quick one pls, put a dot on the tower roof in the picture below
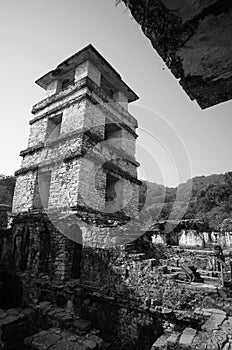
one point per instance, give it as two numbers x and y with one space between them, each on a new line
91 54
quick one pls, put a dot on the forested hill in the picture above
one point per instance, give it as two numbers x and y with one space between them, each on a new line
7 184
210 200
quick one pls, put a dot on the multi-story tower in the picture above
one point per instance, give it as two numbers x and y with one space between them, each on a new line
80 158
81 148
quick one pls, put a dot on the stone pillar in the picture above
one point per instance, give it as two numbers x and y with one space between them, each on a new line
121 98
87 69
53 87
128 143
130 198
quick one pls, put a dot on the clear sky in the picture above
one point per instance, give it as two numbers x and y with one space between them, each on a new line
175 135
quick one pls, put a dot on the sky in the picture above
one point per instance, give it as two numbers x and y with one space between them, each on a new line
177 140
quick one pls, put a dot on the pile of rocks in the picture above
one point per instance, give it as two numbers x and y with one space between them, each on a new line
215 333
15 324
64 331
46 327
57 339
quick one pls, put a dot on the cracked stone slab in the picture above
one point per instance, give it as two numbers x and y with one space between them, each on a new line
173 339
213 322
215 311
56 339
161 343
187 338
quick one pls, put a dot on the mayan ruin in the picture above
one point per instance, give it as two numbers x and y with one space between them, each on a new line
109 237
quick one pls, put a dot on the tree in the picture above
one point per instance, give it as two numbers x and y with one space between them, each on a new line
226 225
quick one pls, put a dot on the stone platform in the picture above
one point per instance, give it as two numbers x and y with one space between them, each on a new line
57 339
46 327
64 331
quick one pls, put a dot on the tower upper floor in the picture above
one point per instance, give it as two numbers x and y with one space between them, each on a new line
88 63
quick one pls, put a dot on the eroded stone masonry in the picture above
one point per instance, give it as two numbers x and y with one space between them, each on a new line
193 37
73 272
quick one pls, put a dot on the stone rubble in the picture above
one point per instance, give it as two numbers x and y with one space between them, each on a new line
215 334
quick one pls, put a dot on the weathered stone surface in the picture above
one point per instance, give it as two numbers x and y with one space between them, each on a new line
210 340
187 338
173 339
227 326
14 326
200 341
214 322
56 339
194 40
82 325
80 145
217 340
187 9
160 343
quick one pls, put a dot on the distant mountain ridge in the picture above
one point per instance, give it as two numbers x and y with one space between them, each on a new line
210 200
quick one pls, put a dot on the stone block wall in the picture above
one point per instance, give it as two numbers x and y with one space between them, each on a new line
54 104
74 181
79 181
121 323
193 238
72 117
40 245
37 132
128 143
222 238
24 192
64 184
114 109
53 151
94 120
91 185
88 69
130 199
63 187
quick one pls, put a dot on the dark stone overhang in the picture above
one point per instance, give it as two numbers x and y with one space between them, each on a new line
194 38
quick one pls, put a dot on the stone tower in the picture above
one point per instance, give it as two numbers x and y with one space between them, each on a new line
78 174
81 148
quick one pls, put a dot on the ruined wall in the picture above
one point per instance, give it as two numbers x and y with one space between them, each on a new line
117 289
193 238
40 246
123 325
